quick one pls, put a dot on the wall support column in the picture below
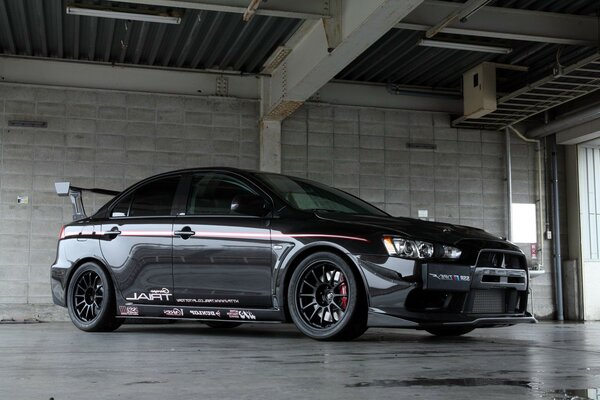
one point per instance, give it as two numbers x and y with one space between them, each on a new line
270 145
556 228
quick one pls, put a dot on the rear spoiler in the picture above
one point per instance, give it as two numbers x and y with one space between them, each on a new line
64 189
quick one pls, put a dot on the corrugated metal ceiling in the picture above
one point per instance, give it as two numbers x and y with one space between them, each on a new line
203 40
223 41
397 59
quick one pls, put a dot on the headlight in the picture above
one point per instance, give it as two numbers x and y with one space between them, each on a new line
397 246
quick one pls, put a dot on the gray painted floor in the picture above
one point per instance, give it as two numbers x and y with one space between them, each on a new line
191 361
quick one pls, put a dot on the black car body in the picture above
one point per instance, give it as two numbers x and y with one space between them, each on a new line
227 246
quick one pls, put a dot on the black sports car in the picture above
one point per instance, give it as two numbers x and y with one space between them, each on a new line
228 246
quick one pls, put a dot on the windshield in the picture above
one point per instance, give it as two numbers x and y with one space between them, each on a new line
312 196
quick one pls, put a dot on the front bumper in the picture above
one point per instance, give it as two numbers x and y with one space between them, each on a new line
408 294
379 319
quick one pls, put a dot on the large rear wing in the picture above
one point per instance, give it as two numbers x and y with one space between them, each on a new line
65 189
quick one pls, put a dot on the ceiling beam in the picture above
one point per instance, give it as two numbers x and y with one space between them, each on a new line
366 95
304 9
315 59
464 11
581 133
506 23
104 76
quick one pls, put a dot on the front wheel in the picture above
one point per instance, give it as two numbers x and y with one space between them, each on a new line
449 331
325 299
91 300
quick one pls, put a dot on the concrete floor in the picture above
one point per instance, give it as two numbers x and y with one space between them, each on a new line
192 361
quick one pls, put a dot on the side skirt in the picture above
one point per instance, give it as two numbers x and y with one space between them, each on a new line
199 313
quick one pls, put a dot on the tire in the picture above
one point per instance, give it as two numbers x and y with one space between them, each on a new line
449 331
325 299
91 300
222 324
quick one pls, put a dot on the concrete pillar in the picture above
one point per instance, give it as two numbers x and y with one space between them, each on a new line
270 145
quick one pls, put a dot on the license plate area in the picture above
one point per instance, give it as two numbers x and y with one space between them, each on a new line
455 278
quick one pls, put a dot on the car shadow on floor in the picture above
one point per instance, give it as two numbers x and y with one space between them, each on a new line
288 331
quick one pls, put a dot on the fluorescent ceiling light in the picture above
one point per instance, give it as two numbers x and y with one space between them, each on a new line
464 46
122 14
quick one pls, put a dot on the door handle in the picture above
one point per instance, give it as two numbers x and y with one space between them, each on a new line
185 233
113 233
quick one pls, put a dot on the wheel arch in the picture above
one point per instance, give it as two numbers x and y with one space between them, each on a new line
94 260
297 258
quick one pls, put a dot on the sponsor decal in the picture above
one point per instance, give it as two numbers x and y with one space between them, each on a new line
206 313
155 294
129 310
241 314
209 301
448 277
173 312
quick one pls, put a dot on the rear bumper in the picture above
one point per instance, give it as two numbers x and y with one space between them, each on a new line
58 278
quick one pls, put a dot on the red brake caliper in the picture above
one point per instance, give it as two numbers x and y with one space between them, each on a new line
344 293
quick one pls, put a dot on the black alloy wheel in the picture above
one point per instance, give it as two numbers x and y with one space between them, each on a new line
89 296
323 295
324 299
91 301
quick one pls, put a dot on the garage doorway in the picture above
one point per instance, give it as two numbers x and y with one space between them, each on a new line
589 222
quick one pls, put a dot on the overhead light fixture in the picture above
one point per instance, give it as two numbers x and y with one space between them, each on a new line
464 46
163 18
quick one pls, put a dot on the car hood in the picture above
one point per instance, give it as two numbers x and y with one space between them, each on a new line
413 228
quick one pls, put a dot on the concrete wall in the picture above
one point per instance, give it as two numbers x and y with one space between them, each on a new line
112 139
96 139
363 151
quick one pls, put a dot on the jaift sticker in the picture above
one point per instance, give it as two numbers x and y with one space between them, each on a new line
241 314
204 313
128 310
155 294
174 312
448 277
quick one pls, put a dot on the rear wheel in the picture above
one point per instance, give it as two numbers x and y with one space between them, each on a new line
222 324
325 300
449 331
91 300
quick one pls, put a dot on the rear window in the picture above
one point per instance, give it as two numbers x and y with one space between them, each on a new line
150 200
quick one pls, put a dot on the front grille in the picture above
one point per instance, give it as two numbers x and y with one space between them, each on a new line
500 259
491 301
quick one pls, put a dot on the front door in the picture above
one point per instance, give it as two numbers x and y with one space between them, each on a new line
221 258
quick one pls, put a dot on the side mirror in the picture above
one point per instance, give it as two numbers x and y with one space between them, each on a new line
249 204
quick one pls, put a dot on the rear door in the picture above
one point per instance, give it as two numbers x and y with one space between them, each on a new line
139 239
221 258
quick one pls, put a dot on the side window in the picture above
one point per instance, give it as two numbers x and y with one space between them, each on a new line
150 200
212 194
122 207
